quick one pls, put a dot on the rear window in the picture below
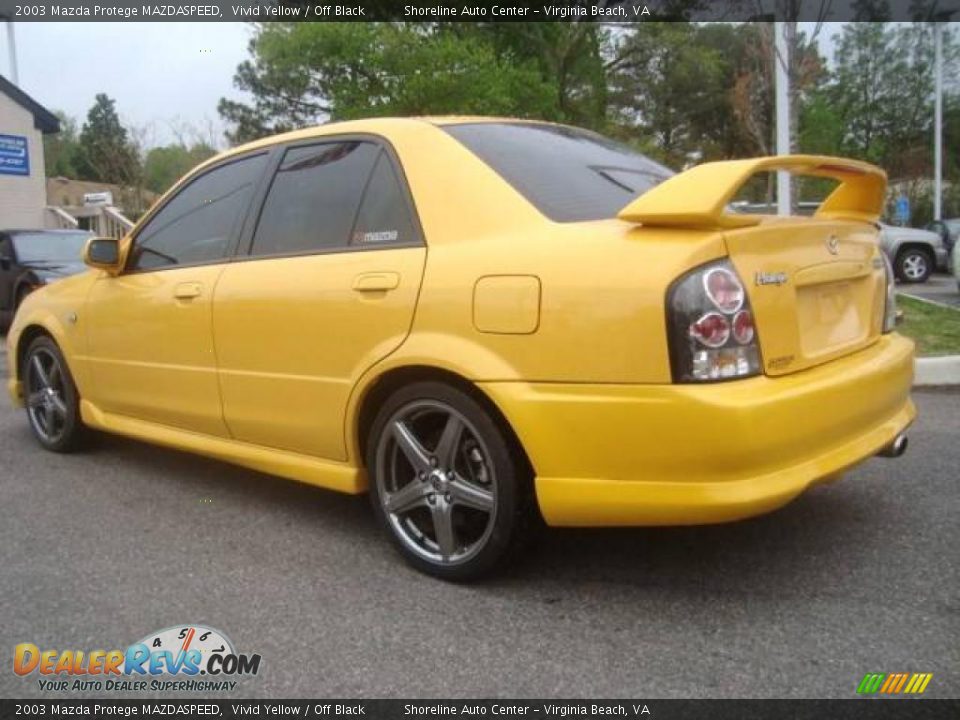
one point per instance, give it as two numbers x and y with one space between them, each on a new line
569 175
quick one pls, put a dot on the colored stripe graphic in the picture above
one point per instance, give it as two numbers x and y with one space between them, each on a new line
870 683
894 683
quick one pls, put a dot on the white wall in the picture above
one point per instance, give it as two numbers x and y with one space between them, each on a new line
23 197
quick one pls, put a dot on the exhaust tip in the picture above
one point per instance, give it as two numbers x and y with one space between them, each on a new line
895 449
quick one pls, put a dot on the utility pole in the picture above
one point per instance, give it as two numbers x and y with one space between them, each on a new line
937 119
12 49
781 60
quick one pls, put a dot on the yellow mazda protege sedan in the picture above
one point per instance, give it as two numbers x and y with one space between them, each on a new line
480 319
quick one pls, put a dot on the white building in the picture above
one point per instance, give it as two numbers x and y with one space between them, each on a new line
23 187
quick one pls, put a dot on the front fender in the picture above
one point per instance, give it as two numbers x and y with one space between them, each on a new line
56 310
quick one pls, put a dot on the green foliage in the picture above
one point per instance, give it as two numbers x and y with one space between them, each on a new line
61 150
670 87
105 153
163 166
301 73
681 92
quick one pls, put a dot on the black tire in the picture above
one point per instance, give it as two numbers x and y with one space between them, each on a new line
913 265
487 470
20 297
53 404
6 318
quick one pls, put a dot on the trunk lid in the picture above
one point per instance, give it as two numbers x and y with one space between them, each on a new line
817 285
817 289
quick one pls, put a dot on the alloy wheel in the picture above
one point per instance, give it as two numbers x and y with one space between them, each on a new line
437 483
46 396
915 267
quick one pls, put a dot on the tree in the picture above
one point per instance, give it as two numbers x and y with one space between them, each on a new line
667 88
570 57
61 150
106 155
163 166
303 73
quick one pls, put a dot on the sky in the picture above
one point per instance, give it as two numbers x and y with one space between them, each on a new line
164 77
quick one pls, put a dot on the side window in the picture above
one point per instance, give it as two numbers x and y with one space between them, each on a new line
314 198
196 225
384 217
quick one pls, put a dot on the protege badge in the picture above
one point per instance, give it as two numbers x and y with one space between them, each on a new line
763 278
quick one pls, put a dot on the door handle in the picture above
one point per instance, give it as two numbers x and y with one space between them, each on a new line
187 291
376 281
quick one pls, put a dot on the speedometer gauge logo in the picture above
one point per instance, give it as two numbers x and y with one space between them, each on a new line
190 650
181 639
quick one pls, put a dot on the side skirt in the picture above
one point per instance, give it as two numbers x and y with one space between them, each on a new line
341 477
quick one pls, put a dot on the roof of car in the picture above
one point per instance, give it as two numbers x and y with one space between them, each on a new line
372 125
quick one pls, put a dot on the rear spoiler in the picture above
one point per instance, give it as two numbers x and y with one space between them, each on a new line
698 198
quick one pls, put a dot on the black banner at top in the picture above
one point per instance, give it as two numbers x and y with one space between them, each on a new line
225 709
603 11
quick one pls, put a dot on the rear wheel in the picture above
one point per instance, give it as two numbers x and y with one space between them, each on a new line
53 405
446 481
914 265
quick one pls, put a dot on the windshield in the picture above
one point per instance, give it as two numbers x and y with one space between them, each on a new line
570 175
48 247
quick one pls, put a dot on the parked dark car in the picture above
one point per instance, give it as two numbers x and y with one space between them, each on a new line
948 230
32 258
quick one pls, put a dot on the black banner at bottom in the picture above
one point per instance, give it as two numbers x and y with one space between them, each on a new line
856 709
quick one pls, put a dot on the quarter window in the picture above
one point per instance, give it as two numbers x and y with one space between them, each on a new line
384 217
197 224
314 198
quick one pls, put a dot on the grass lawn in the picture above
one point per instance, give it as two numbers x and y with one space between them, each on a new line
936 329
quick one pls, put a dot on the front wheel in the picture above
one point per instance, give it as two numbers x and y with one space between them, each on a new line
446 481
914 266
53 404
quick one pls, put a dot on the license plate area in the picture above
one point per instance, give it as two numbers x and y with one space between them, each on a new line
832 316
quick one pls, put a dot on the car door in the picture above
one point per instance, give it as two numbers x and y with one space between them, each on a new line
328 288
150 342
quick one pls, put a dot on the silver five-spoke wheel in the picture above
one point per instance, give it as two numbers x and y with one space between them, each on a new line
448 480
437 485
51 397
915 267
46 393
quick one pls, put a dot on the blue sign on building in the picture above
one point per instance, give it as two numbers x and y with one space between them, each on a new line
14 155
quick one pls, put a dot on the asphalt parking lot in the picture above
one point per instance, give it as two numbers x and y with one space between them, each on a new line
101 548
939 288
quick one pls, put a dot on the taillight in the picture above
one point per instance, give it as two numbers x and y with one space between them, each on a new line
711 328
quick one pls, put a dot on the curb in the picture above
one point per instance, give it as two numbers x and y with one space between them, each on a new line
934 371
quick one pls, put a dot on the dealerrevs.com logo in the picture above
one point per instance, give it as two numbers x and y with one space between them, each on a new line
179 658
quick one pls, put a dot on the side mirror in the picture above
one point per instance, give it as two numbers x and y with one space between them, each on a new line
103 254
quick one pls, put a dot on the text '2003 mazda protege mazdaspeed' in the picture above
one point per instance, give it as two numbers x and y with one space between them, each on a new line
479 320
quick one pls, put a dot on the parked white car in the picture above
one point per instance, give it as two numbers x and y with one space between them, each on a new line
914 253
956 264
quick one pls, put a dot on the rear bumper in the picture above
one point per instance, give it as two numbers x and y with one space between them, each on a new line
691 454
